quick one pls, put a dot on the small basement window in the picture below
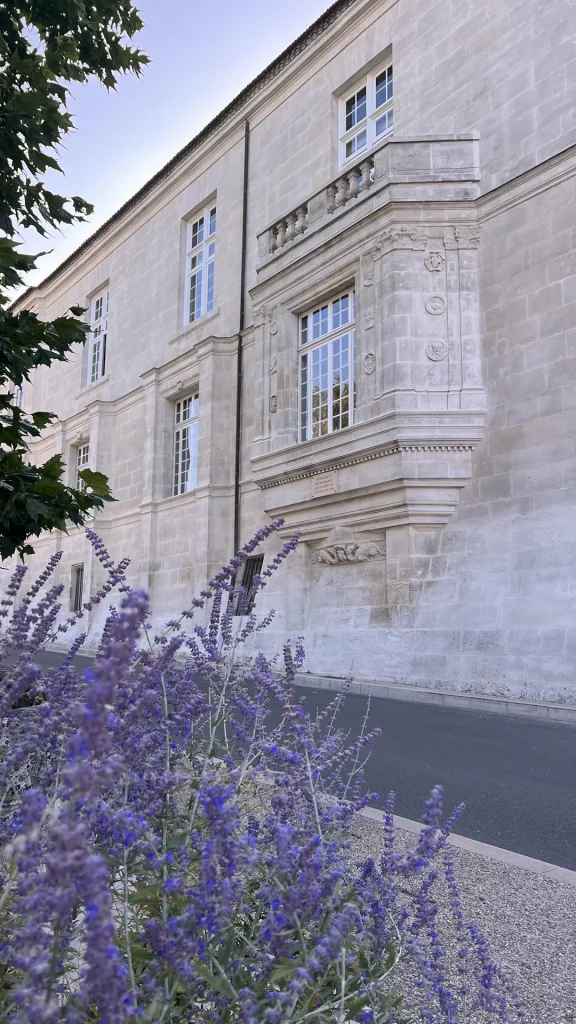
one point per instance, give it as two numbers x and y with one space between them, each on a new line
77 588
245 599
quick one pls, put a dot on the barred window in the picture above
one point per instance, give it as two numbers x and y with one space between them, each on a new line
77 588
185 463
366 115
200 265
82 462
98 337
246 596
327 340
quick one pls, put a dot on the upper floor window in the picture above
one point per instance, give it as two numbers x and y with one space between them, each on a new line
366 114
98 337
185 463
200 265
82 462
327 340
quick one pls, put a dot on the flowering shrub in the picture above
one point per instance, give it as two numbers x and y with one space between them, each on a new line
175 837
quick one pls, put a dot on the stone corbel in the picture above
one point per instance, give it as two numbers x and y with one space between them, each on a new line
343 547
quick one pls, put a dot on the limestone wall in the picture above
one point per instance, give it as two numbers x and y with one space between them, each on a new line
478 599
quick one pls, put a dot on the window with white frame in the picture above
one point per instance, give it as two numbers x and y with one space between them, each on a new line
185 461
200 265
82 462
327 341
366 114
98 337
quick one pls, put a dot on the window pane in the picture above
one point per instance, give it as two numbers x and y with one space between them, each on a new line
303 396
384 123
350 112
197 233
304 330
384 87
195 295
320 322
210 287
212 227
361 105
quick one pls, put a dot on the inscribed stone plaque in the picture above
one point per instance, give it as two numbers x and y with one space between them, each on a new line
324 483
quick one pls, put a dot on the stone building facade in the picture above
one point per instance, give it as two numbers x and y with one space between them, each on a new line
397 194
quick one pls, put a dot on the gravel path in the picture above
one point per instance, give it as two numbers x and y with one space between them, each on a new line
529 920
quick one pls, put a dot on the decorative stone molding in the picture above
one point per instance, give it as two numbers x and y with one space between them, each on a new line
434 262
368 319
343 554
369 363
437 351
387 450
262 316
273 403
467 237
400 237
273 365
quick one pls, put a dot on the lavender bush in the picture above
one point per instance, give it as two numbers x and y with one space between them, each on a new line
175 837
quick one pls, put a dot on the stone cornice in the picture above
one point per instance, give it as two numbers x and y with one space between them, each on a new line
391 448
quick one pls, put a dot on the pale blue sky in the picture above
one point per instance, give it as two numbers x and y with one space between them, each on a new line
202 55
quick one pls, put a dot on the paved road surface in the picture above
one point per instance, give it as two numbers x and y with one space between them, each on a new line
517 777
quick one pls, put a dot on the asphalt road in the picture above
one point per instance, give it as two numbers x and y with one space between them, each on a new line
516 777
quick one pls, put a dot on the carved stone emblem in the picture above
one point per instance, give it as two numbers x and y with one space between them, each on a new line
368 319
402 237
435 305
273 365
262 316
274 327
339 554
437 350
369 362
368 270
273 403
434 261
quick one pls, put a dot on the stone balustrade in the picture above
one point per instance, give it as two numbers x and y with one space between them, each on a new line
287 229
339 192
417 163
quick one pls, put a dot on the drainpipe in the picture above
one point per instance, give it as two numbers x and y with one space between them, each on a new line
241 326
